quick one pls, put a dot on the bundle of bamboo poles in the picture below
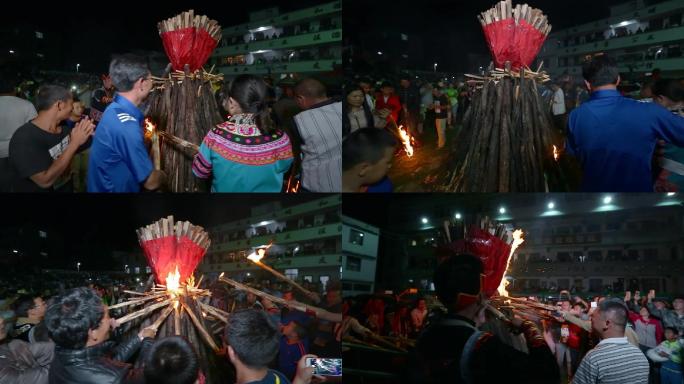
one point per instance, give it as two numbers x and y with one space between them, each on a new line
180 312
184 109
189 19
505 142
504 9
168 227
318 312
528 309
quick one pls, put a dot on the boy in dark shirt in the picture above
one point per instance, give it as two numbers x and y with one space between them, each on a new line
41 150
366 157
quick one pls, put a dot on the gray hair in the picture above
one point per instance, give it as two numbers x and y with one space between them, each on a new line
126 69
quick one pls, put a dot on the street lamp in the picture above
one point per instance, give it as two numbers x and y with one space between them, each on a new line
435 67
78 266
77 65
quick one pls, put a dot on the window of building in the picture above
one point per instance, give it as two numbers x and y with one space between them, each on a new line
633 255
613 226
292 273
362 287
563 257
651 254
614 255
355 237
595 285
308 278
595 256
593 228
353 264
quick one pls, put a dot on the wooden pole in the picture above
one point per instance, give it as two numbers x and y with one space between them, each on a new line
157 323
200 327
283 278
143 312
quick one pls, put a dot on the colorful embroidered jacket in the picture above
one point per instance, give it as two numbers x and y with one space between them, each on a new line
239 158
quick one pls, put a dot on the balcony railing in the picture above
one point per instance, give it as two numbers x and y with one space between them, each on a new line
304 234
309 208
598 268
644 13
645 38
286 42
287 18
333 260
287 67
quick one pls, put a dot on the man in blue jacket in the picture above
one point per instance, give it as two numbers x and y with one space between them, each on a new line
614 137
119 161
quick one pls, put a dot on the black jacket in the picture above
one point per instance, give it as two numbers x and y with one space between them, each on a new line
437 358
100 364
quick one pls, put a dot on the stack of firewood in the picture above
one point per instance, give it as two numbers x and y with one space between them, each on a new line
189 19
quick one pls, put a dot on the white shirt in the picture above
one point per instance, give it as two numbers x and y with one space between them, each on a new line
321 131
370 101
14 112
558 102
613 361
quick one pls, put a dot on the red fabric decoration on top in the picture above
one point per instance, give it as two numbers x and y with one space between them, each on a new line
164 254
190 46
518 43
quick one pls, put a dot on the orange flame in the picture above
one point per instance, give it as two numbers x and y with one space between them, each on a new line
517 240
556 154
406 140
259 254
149 126
173 281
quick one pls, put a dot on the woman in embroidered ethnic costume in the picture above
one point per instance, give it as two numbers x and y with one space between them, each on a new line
246 153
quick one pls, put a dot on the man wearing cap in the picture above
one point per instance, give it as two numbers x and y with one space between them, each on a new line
118 160
101 98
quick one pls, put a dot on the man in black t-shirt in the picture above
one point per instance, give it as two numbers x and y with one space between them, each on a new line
40 151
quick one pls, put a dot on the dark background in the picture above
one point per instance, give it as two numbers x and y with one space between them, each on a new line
449 29
88 227
89 32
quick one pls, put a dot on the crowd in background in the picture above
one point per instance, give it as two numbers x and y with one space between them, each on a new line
263 342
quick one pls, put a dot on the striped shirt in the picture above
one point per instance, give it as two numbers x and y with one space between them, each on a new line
613 361
321 131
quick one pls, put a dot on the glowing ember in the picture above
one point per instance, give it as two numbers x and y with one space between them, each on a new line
517 240
555 153
406 140
173 281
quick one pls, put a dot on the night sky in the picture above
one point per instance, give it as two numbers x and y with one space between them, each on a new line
102 223
449 28
92 36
